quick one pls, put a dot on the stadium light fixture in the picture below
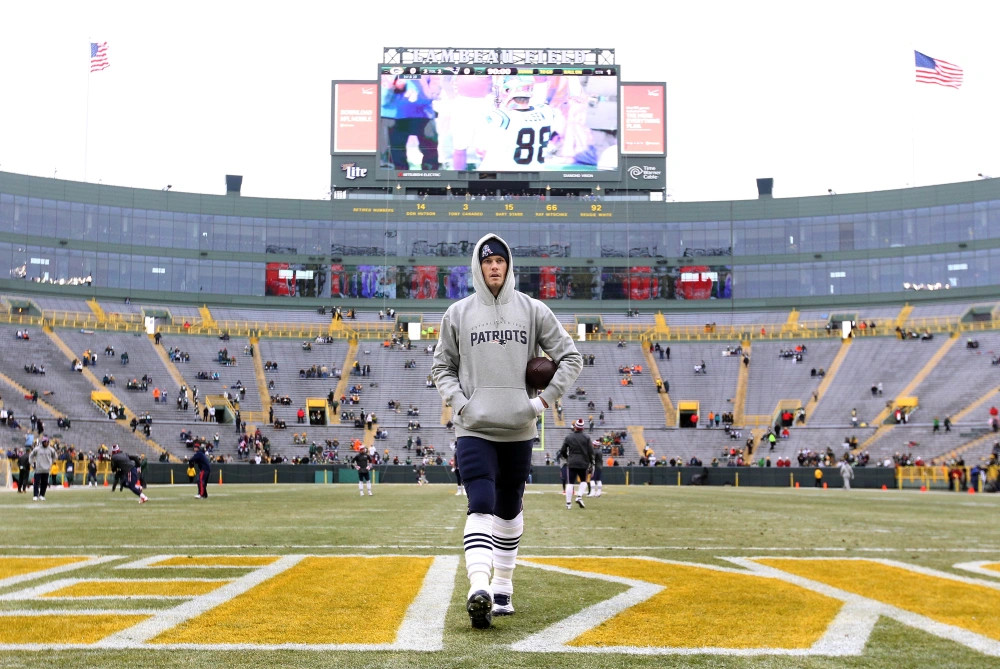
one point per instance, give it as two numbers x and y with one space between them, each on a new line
167 187
830 191
984 176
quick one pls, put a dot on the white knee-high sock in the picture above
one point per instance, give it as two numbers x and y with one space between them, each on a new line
506 538
582 489
569 493
479 549
361 486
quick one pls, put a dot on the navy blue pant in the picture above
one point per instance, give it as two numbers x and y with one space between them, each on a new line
41 483
203 483
132 481
494 474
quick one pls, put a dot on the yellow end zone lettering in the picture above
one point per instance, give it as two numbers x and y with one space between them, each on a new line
950 600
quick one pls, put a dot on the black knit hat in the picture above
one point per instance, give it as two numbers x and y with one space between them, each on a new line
493 247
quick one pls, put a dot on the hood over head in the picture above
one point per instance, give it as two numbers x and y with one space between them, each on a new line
482 291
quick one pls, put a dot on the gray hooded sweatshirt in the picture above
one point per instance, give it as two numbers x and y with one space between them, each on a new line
484 347
42 457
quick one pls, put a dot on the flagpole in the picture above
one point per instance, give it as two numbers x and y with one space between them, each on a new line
913 133
913 153
86 131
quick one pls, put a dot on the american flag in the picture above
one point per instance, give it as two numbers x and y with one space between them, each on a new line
937 71
99 56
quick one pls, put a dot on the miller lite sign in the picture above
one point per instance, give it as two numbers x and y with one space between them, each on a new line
353 171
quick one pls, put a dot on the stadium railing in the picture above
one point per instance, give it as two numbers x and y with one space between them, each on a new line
126 322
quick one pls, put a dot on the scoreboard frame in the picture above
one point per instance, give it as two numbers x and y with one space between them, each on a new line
372 168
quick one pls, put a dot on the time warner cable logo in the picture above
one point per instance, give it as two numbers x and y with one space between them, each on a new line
353 171
645 172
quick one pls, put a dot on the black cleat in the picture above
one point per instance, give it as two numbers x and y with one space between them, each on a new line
480 608
579 503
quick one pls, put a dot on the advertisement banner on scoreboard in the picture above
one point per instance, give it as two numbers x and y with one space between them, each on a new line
355 117
644 119
644 172
353 170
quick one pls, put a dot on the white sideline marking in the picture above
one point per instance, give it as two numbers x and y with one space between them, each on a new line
874 608
90 561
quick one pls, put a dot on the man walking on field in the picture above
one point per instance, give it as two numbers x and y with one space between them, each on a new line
578 454
479 366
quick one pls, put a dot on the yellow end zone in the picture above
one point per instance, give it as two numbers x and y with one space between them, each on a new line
129 588
216 561
11 567
63 629
321 600
703 607
949 601
995 566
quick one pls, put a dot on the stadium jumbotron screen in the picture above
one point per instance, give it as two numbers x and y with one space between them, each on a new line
498 119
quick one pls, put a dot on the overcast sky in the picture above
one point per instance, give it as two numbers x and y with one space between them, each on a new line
817 95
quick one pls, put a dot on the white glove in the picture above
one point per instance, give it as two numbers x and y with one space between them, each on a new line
536 404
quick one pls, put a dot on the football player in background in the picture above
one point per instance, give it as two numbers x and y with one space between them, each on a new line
128 465
519 131
200 460
578 454
596 485
363 463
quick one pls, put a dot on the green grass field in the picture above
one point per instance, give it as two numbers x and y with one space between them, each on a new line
643 577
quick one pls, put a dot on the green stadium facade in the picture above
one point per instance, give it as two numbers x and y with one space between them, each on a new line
579 253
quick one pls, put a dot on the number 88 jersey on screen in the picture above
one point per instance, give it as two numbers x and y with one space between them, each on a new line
518 132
